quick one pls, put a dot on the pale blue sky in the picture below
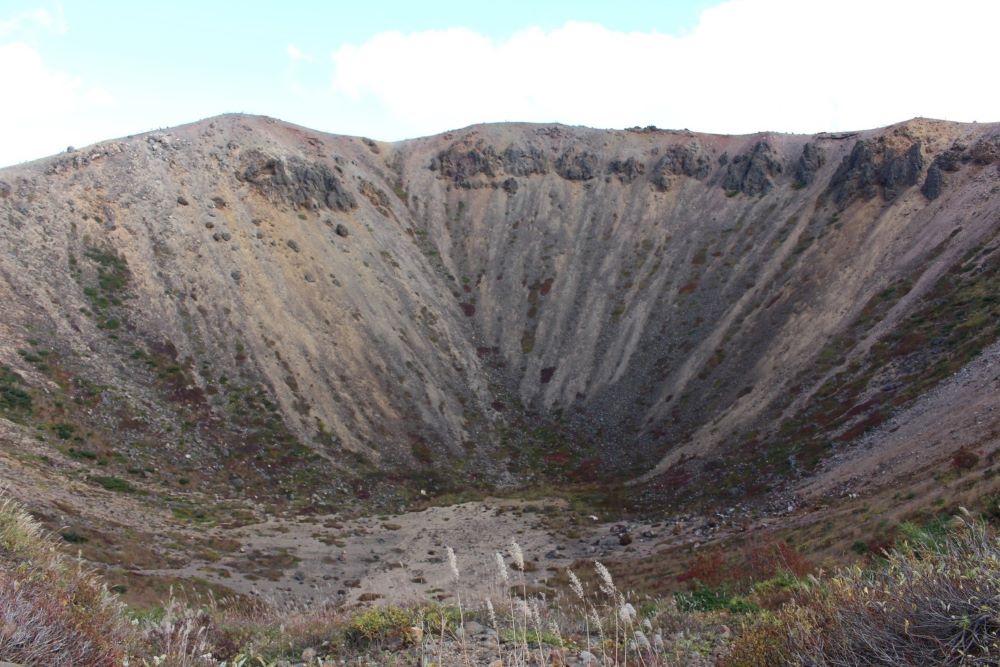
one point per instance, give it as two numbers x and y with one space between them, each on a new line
76 72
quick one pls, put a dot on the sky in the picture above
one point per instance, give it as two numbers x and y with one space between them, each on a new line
80 71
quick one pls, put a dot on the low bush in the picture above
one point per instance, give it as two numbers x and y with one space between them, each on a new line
933 601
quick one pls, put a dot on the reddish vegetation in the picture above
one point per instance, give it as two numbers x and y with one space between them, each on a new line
708 568
765 560
964 459
757 562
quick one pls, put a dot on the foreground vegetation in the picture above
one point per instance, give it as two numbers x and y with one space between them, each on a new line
933 599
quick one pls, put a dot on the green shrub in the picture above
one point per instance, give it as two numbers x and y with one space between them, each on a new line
381 623
13 399
113 483
720 598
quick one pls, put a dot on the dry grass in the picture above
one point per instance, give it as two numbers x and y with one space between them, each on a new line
53 611
935 601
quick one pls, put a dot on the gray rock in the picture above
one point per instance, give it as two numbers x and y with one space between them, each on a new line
295 181
751 172
627 170
932 183
807 165
341 230
873 166
951 159
574 165
182 200
519 161
108 219
689 160
985 151
474 628
462 161
294 245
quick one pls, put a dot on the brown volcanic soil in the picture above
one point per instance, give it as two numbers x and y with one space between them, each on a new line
240 319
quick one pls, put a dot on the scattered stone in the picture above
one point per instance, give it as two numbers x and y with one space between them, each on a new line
985 151
341 230
182 200
510 186
236 275
292 244
309 278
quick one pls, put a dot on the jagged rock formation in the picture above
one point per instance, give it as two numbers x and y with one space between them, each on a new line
807 165
302 313
681 160
751 172
296 182
885 165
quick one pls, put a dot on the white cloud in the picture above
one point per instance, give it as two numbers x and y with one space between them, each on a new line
748 65
45 108
296 54
51 21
